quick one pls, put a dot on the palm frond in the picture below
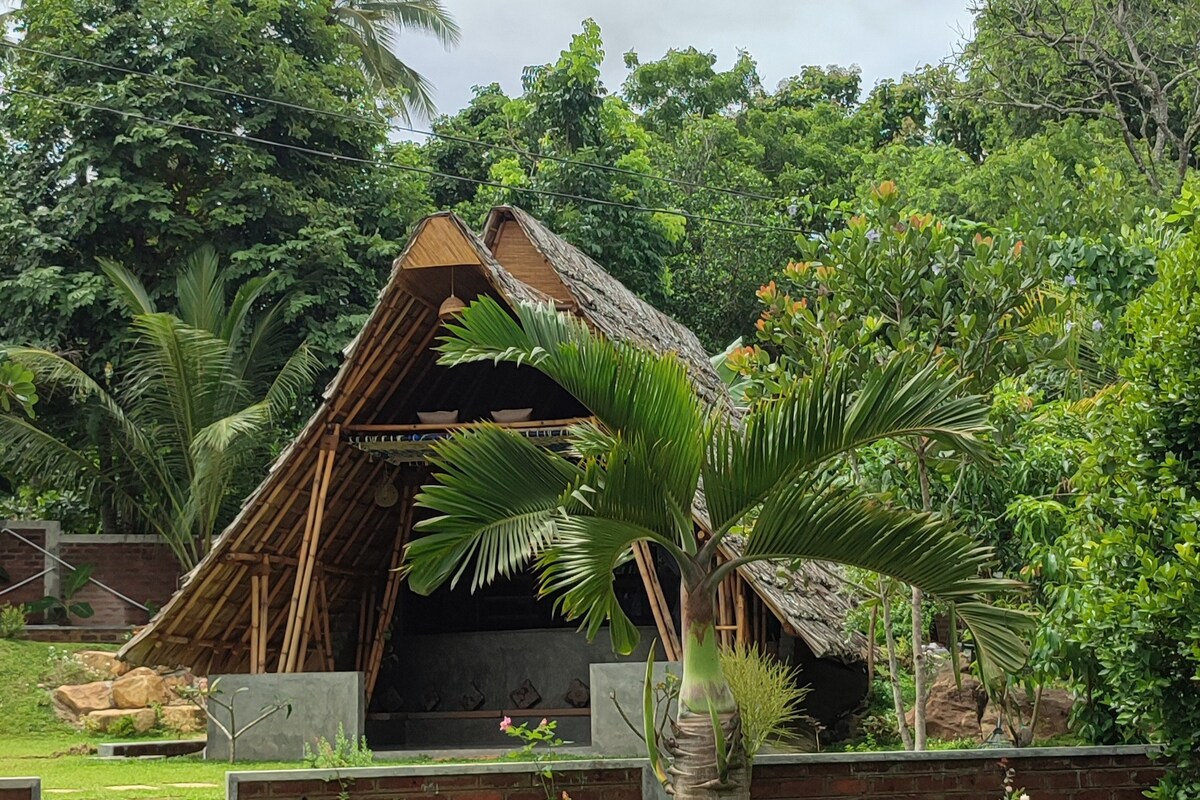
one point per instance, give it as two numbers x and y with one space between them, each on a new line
822 417
425 16
645 398
180 376
580 569
828 520
496 498
293 379
129 289
200 291
242 307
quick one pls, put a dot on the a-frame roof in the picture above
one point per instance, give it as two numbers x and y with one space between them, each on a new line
206 623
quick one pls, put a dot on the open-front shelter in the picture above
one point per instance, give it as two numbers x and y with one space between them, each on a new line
305 578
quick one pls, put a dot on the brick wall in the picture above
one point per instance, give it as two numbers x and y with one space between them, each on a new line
140 567
21 561
1087 773
20 789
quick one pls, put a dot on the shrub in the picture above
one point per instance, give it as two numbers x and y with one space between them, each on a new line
62 668
342 752
12 621
767 693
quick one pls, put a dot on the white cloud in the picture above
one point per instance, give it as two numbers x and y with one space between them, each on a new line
884 37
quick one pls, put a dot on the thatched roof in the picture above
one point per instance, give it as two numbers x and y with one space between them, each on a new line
206 623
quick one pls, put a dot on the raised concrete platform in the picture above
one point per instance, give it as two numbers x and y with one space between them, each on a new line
159 749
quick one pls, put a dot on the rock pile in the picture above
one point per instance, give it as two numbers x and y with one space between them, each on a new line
953 713
145 696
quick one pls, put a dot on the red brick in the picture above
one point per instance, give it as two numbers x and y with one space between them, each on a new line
476 795
1109 777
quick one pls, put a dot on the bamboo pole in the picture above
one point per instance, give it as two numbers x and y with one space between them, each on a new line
391 592
658 601
299 611
743 623
255 622
260 644
326 627
368 394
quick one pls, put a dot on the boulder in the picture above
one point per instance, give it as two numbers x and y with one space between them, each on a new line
185 718
1054 713
966 713
102 662
143 718
173 681
139 688
74 702
954 713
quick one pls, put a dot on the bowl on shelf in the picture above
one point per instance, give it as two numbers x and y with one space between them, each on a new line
512 414
438 417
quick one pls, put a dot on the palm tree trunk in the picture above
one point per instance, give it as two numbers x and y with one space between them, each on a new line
708 715
918 628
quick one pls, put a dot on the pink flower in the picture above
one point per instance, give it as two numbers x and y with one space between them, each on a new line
543 723
505 724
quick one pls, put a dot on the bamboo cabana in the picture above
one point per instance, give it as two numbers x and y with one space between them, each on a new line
305 578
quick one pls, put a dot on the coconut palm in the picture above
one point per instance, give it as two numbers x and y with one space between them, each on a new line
191 407
375 26
502 504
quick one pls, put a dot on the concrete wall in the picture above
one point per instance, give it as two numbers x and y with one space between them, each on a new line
611 735
319 702
449 666
1058 773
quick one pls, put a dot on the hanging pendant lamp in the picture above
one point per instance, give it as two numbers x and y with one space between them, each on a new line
452 306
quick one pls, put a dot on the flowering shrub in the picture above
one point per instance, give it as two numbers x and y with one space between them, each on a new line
538 746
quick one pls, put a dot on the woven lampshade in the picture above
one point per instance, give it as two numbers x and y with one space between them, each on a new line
451 307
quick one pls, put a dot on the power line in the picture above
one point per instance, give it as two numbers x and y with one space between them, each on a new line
358 118
407 168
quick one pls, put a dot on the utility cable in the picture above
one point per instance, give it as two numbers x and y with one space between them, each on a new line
361 119
407 168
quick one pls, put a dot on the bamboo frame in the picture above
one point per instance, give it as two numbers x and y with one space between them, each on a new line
299 613
390 593
658 601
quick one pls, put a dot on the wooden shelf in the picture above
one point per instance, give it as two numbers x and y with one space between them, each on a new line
485 713
383 430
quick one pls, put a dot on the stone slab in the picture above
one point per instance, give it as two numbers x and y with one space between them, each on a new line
611 735
166 747
319 702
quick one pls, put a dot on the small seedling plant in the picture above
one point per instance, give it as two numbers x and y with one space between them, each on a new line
62 608
538 745
207 693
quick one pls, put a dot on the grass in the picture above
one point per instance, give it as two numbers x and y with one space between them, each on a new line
33 742
50 758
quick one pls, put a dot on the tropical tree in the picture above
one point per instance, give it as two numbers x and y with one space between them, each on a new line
501 504
181 418
374 27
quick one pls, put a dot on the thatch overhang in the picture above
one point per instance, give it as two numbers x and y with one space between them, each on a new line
313 533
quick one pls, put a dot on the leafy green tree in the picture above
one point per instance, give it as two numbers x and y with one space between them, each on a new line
501 504
16 389
81 185
1124 626
1130 63
190 411
374 27
891 283
683 83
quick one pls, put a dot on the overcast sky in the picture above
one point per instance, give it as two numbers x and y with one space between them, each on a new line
884 37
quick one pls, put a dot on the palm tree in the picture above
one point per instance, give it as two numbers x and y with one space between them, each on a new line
374 27
191 409
502 504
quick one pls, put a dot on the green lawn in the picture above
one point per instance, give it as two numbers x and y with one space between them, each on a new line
33 742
